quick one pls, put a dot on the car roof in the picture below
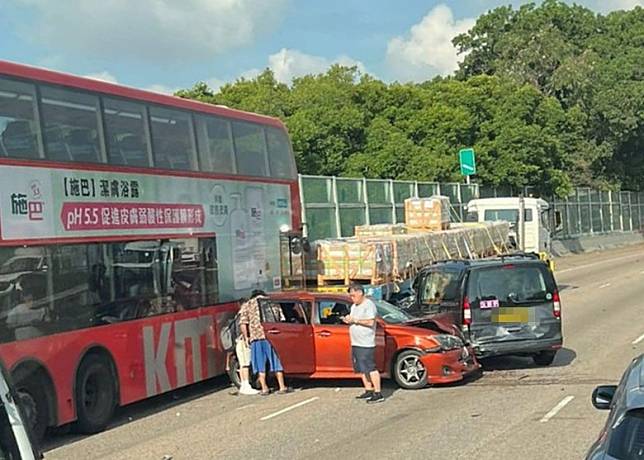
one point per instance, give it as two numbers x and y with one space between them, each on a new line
462 264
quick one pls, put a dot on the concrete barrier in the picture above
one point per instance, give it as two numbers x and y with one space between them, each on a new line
590 243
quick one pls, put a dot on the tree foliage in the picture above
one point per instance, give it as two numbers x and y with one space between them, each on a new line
549 96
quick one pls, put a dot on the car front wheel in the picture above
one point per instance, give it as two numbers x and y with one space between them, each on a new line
409 371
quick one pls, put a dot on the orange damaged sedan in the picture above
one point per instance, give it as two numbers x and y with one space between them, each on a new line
306 330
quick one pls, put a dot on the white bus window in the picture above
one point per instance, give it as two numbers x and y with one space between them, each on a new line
250 148
70 121
171 139
17 120
215 145
125 136
280 158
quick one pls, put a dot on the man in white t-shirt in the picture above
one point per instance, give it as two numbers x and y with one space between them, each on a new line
363 343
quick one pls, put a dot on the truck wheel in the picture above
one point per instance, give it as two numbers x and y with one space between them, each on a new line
33 398
96 395
409 371
544 358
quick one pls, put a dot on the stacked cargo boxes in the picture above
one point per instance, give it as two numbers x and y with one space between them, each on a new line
343 260
427 214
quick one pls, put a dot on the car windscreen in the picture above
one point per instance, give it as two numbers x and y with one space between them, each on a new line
509 215
511 284
627 436
392 314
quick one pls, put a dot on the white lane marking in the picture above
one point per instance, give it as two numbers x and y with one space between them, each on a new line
632 256
245 407
604 286
555 410
638 340
290 408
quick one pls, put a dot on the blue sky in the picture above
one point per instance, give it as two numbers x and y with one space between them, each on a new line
164 45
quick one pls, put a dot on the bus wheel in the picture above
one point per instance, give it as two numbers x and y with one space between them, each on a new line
235 378
233 371
95 394
33 399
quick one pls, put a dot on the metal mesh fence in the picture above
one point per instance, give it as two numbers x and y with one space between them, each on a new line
333 206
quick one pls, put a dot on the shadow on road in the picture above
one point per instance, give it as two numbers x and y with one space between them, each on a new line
564 357
65 435
389 387
567 287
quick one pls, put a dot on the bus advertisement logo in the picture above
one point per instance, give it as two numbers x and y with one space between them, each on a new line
22 205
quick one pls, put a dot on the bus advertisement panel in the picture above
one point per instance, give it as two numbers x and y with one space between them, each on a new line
79 205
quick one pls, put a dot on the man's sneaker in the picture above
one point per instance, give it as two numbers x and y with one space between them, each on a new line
247 390
366 395
376 398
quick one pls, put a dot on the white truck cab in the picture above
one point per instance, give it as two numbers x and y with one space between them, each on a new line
530 233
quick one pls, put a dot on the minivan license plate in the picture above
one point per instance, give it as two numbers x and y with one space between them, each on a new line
511 315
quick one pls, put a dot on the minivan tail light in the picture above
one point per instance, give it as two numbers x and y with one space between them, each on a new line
467 312
556 308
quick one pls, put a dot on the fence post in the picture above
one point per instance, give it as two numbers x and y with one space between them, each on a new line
336 204
305 228
365 199
394 218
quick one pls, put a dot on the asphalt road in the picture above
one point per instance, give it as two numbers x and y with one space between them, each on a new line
515 410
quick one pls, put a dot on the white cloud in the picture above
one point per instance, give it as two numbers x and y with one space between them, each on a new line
288 64
151 30
605 6
102 76
427 49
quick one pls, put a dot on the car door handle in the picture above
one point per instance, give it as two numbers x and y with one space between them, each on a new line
324 333
273 331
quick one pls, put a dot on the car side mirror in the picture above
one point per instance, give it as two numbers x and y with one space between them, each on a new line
603 396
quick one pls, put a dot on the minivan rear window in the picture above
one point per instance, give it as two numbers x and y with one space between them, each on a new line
511 284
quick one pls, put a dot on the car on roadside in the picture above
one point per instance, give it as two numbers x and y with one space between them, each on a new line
313 343
622 437
506 305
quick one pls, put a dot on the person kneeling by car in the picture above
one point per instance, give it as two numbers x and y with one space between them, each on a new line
363 343
261 350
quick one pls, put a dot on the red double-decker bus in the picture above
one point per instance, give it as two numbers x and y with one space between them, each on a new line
130 225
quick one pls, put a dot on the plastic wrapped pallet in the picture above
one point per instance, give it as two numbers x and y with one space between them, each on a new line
368 231
402 254
427 213
350 259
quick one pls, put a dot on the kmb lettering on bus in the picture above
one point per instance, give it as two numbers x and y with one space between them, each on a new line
155 354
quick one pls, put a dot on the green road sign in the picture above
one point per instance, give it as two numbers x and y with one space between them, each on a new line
468 162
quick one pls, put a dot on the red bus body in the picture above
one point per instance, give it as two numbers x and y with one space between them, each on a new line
149 353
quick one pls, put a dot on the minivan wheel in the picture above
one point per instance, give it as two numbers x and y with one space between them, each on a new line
544 358
409 371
